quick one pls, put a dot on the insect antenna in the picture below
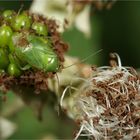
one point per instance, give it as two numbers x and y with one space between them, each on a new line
70 87
84 59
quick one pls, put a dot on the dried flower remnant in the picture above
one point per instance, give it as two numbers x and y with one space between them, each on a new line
103 4
98 4
70 13
107 105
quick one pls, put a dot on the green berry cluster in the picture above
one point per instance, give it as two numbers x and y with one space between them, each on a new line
25 43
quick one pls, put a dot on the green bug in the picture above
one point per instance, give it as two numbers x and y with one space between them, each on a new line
35 52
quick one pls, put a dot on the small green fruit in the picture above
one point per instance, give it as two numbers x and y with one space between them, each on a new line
40 28
5 35
4 61
13 70
8 15
21 22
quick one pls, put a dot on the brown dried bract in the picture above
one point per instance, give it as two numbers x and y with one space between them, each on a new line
34 79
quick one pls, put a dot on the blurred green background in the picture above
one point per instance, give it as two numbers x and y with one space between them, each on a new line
114 30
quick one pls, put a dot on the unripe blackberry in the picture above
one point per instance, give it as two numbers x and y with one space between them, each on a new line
33 45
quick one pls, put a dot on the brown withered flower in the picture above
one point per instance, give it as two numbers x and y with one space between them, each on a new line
107 106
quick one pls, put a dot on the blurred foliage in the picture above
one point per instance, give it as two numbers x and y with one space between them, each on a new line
82 47
120 32
30 128
15 4
115 30
26 118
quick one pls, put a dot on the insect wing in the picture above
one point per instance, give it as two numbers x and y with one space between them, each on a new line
39 54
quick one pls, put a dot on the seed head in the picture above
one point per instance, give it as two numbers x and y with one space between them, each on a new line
107 105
